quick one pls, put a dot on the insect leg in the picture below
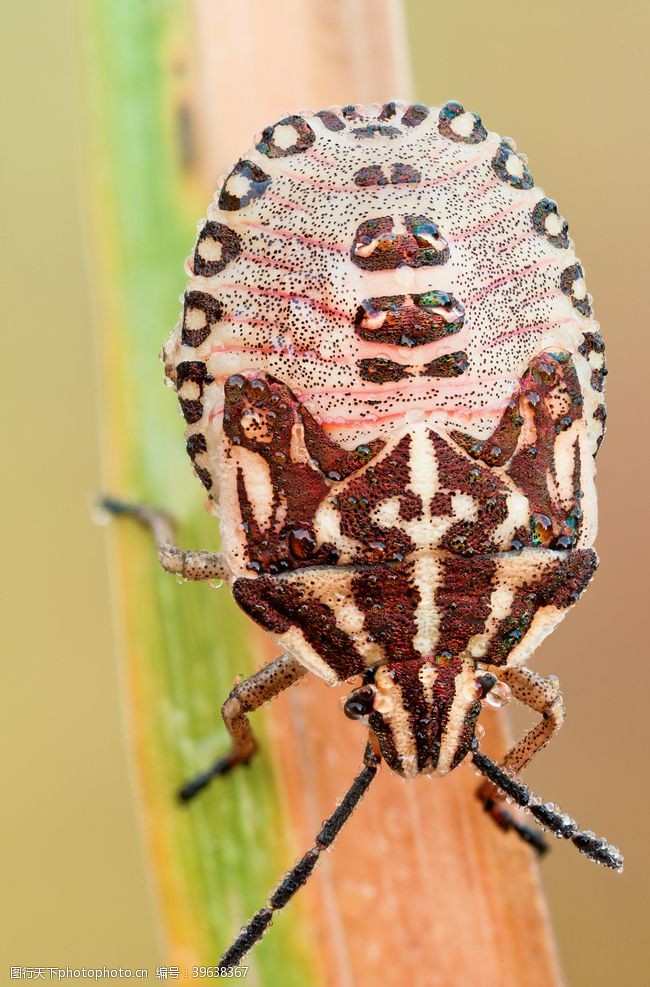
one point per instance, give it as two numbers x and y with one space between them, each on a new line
191 565
544 697
294 879
246 696
548 815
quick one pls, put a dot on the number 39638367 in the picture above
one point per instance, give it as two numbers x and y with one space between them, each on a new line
393 387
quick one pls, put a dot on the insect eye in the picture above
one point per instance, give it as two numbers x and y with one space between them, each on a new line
485 683
359 703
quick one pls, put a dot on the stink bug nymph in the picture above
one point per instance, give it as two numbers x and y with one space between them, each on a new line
392 383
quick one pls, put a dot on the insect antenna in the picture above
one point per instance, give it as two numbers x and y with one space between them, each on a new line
547 815
294 879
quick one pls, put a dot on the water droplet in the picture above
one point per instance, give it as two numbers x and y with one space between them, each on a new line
216 583
498 695
554 681
100 516
180 578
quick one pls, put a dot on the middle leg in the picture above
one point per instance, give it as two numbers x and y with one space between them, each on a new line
246 696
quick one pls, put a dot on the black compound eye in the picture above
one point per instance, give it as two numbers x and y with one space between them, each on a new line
359 703
486 683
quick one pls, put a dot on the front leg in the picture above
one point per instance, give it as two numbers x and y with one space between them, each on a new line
543 696
192 565
246 697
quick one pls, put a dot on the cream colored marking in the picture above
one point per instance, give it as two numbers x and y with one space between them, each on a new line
518 515
564 454
351 621
327 525
423 465
427 615
500 604
459 709
285 136
257 478
374 321
553 224
255 425
294 641
428 675
298 450
579 289
210 249
391 705
189 390
195 319
514 165
238 185
544 622
386 514
596 360
463 125
464 507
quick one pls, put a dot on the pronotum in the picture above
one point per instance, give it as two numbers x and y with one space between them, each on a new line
393 388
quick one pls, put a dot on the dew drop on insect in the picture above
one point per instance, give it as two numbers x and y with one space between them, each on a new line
216 583
498 695
553 680
100 516
180 578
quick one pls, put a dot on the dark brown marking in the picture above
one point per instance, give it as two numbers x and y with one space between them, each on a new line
258 182
280 603
449 365
377 248
305 137
499 166
372 130
370 176
230 248
379 370
331 120
542 210
195 371
261 414
388 477
195 445
463 600
448 114
550 382
559 585
409 320
211 309
388 599
415 115
388 111
404 174
457 475
568 279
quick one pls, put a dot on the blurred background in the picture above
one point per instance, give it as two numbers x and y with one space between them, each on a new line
569 82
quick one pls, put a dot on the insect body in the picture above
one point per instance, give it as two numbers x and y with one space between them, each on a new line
392 383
